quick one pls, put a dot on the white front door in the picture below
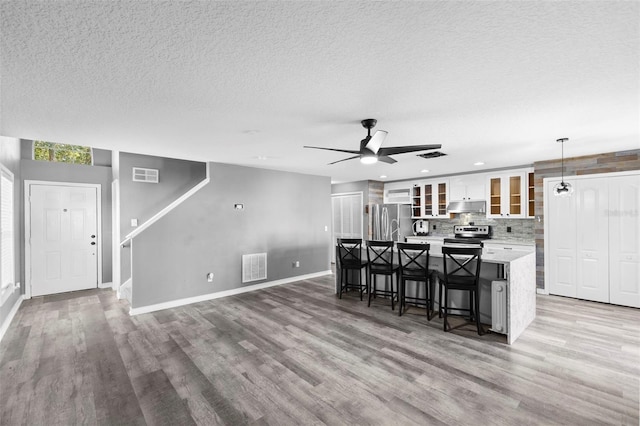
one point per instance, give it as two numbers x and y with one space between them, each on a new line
63 238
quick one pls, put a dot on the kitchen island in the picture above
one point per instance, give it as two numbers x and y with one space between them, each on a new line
515 267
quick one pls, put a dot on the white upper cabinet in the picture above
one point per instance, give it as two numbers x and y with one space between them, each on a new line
436 198
467 187
507 194
429 199
397 193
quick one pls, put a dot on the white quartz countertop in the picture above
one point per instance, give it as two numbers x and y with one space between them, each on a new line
490 254
489 241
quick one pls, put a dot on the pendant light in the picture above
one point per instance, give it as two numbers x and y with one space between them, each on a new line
562 189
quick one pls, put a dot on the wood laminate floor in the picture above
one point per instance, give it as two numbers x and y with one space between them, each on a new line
296 354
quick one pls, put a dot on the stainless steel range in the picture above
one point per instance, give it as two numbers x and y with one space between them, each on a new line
475 232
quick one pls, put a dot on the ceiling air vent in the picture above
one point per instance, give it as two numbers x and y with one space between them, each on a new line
433 154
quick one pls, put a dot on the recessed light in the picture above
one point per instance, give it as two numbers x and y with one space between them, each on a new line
424 171
383 176
478 163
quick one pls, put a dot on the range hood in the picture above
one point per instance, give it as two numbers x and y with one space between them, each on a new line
466 206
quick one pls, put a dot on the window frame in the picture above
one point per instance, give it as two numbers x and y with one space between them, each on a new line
33 153
7 289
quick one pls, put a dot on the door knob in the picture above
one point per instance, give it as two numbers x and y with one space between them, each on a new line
93 243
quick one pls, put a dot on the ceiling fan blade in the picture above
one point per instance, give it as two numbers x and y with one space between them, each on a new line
404 149
386 159
376 140
348 151
345 159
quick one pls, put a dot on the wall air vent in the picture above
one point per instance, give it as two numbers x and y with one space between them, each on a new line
146 175
433 154
254 267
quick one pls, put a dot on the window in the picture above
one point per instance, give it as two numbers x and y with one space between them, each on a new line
7 237
61 153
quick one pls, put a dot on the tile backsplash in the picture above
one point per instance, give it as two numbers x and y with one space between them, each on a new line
521 229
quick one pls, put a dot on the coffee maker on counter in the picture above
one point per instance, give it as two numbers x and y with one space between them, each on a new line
421 227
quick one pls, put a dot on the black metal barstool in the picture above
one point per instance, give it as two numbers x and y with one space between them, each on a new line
464 242
380 257
413 260
461 266
349 256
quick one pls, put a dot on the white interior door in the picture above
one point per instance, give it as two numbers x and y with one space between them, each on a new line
346 210
561 223
593 240
63 238
624 240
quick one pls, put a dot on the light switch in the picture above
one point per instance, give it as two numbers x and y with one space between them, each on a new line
134 222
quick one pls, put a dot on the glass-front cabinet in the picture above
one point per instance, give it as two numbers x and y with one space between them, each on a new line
531 199
506 195
417 202
429 199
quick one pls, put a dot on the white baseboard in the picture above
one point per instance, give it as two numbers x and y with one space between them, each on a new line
105 285
12 313
542 291
220 294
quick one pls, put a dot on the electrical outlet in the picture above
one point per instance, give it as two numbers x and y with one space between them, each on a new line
296 264
210 277
508 229
434 227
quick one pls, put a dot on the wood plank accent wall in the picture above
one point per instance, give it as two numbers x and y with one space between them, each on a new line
587 165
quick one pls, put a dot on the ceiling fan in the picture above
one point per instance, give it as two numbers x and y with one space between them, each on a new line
370 147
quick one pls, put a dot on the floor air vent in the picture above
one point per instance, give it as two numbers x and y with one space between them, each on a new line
433 154
254 267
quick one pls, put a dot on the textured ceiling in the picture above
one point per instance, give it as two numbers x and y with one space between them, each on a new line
234 81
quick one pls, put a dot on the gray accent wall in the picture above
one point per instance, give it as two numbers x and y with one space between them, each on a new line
284 215
10 158
75 173
140 200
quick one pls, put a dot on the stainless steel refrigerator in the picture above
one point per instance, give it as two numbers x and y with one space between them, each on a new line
391 222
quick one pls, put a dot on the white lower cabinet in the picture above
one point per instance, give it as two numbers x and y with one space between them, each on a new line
592 238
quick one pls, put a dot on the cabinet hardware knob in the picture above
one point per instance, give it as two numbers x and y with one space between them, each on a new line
93 243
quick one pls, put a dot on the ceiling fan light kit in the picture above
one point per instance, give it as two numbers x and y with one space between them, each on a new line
371 150
562 189
368 157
